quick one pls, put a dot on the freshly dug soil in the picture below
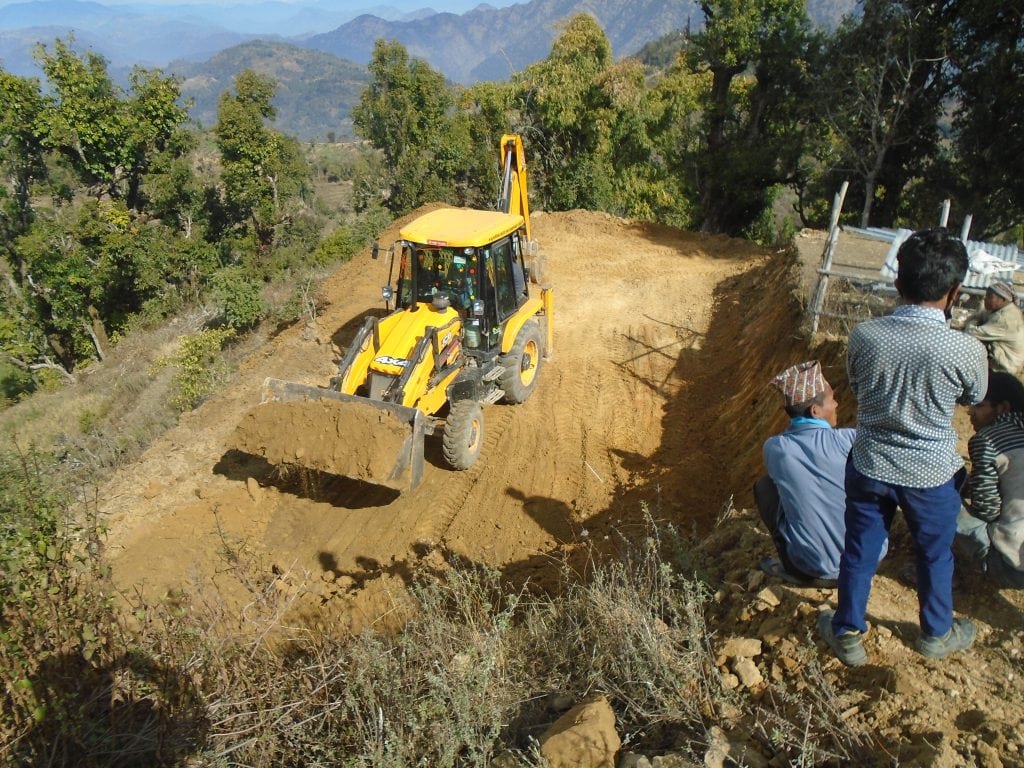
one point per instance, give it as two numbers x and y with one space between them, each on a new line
656 400
351 439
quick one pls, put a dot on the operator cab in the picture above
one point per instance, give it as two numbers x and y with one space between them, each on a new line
480 274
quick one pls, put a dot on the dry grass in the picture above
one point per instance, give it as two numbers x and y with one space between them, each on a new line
479 670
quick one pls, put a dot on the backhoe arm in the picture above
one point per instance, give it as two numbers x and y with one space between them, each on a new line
513 198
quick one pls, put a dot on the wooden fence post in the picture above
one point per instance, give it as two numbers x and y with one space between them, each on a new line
826 257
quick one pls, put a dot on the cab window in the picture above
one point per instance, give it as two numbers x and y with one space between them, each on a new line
499 273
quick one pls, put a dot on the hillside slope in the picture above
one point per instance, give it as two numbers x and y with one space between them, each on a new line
657 397
315 91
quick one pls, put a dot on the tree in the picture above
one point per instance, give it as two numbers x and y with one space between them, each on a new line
881 94
21 148
988 56
404 112
561 102
107 137
262 170
756 54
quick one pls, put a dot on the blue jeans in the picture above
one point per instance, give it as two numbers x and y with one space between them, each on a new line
931 518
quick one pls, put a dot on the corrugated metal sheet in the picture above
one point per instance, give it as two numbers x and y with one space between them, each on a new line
989 262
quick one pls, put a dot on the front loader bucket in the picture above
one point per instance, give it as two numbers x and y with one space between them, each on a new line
322 429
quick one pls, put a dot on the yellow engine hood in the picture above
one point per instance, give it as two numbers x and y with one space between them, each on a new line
402 331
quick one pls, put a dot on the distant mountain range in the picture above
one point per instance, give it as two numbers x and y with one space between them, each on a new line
315 91
485 43
320 76
153 34
493 43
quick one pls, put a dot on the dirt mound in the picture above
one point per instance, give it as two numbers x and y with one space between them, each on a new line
351 439
657 398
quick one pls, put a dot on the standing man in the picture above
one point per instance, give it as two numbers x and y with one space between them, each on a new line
802 499
908 371
1000 327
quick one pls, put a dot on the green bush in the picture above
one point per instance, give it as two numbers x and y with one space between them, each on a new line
15 383
199 365
239 297
339 246
75 687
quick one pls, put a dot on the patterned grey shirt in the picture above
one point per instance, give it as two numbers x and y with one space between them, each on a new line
908 371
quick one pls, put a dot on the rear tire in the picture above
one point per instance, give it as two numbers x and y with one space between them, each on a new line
463 434
522 364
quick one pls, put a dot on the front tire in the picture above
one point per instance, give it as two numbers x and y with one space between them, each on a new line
522 364
463 434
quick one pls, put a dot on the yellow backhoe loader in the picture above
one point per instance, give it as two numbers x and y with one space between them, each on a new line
466 329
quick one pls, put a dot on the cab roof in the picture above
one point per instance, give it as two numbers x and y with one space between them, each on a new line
460 227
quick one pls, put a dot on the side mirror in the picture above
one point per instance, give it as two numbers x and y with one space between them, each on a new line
375 251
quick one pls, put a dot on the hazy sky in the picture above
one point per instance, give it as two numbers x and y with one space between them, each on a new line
451 6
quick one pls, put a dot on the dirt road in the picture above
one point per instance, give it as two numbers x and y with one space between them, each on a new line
624 413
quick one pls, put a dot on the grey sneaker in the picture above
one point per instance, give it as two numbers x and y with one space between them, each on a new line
959 638
847 647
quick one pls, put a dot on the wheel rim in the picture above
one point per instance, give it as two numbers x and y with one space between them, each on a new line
528 366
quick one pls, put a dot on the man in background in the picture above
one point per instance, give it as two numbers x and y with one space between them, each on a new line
1000 327
802 500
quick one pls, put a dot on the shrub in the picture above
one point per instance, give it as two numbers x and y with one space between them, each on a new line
15 383
239 297
199 366
339 246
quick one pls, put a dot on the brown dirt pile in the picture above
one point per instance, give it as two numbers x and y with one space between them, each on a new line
350 439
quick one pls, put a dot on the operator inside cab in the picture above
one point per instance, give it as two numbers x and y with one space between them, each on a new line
440 270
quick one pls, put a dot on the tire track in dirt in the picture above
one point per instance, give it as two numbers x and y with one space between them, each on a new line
629 299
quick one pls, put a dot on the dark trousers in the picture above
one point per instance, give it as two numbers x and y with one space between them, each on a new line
931 519
766 496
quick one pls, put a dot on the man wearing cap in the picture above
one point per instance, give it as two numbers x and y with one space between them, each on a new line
802 500
1000 327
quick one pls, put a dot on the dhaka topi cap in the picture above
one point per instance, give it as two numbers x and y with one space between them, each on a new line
800 383
1003 291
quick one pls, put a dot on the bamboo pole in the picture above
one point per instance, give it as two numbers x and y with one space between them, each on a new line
965 230
826 256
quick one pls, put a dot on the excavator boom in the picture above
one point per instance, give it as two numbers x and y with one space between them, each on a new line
513 197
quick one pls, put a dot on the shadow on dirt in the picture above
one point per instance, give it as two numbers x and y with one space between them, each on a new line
311 484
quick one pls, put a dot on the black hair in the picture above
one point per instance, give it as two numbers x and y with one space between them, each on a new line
931 263
798 410
1005 388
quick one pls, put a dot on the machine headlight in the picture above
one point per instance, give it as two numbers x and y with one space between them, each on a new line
478 308
386 293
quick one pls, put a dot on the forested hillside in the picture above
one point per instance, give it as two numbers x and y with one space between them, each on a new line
114 207
315 91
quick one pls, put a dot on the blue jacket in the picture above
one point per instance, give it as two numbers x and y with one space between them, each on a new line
807 462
